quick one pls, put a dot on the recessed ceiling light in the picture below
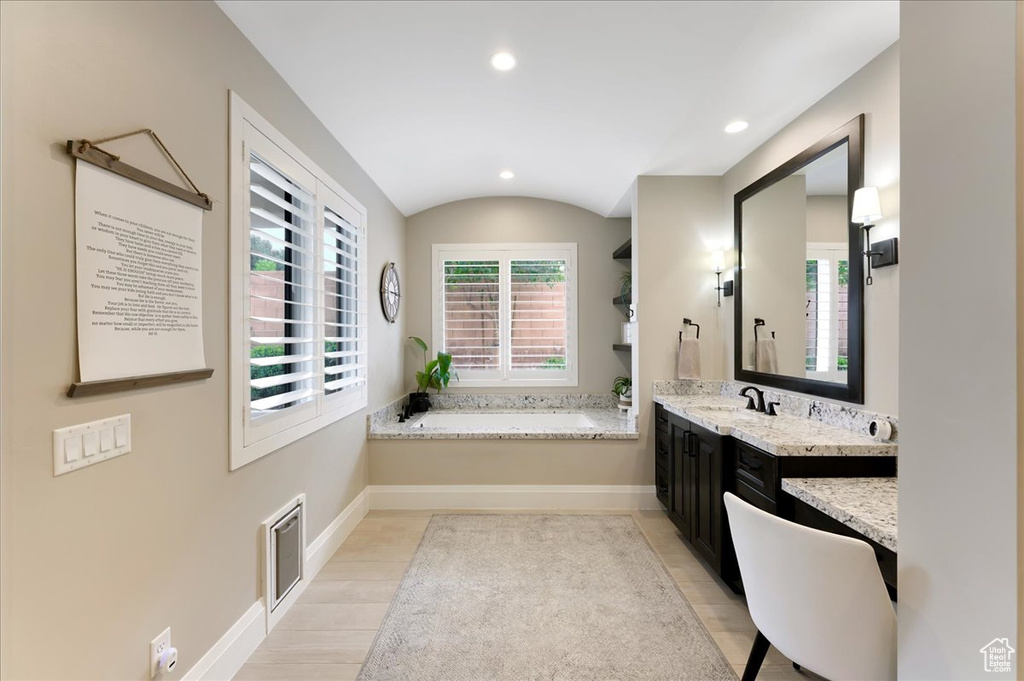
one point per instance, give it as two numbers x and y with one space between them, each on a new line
736 126
503 61
506 174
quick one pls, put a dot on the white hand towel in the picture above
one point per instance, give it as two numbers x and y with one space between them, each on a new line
688 361
766 360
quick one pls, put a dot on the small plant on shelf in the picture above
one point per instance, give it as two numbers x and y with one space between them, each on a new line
626 286
623 387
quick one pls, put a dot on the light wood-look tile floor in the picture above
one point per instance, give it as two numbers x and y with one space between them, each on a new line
328 632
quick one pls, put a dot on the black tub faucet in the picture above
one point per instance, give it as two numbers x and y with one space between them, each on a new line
414 406
759 407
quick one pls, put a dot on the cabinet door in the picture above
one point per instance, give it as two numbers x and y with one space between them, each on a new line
705 448
662 466
681 479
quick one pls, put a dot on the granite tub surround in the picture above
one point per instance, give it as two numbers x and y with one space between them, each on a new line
867 505
782 435
610 423
514 402
830 413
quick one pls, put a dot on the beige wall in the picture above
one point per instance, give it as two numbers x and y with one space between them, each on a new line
679 222
874 90
775 272
1020 324
524 220
97 562
826 219
958 570
510 462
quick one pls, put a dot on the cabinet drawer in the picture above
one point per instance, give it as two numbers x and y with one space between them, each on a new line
662 445
756 469
755 498
660 419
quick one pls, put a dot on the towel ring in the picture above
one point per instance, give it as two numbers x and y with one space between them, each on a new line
757 322
687 322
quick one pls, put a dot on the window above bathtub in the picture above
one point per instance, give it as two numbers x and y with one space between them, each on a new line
507 313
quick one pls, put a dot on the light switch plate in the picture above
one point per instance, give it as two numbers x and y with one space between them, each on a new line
86 435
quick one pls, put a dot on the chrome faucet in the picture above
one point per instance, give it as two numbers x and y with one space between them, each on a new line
759 407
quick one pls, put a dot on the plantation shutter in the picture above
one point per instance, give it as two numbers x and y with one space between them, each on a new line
298 293
539 315
283 292
344 365
507 312
472 313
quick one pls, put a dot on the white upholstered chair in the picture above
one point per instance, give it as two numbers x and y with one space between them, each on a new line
817 597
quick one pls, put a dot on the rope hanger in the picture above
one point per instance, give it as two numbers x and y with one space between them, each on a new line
85 145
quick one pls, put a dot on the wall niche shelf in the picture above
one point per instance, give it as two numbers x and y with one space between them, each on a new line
624 252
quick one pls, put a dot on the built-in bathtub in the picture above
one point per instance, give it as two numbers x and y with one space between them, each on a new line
506 416
501 420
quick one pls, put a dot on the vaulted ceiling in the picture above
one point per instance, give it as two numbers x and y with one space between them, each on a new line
603 91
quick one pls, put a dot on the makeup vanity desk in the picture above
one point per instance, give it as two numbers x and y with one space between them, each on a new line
863 508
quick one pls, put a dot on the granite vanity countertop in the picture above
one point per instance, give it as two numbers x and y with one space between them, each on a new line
782 435
867 505
610 423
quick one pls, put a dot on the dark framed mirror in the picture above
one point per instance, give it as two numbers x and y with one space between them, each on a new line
799 311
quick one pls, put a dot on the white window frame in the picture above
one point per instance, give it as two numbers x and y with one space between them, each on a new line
828 327
249 441
504 253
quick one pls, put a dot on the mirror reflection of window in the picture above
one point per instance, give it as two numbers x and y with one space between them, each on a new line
828 283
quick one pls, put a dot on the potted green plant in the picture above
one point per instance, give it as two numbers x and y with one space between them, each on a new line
626 286
623 387
436 374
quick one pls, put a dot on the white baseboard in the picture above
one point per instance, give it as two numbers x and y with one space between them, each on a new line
226 657
330 540
496 497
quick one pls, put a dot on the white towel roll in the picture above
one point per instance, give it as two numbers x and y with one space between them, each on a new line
688 359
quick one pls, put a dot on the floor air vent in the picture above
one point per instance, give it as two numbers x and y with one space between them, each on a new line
284 563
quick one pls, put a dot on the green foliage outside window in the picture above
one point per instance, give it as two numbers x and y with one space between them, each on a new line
259 246
256 371
526 271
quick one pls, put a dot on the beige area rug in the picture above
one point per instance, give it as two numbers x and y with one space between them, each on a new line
540 597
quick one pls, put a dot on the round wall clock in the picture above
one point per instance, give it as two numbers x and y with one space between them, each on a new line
390 292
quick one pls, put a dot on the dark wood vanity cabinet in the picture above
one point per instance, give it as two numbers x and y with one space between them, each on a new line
688 471
694 467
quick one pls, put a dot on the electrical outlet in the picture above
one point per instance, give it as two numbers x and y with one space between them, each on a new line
157 647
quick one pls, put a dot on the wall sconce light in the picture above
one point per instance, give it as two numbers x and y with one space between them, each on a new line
866 210
718 261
